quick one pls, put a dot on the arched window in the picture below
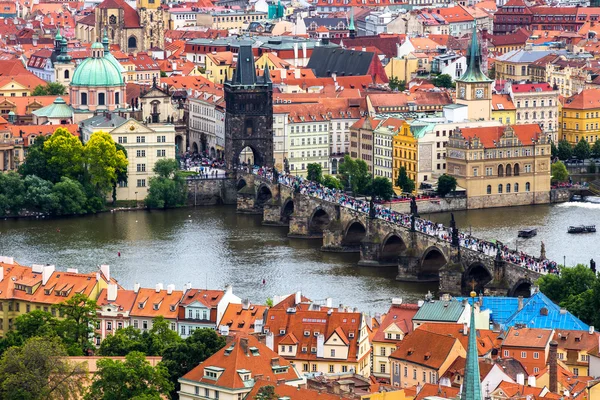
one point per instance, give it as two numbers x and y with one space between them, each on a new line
101 99
508 170
516 187
500 170
117 98
500 188
508 188
132 42
66 74
489 189
84 99
516 170
527 186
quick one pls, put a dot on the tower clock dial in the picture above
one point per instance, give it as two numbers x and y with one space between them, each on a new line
479 93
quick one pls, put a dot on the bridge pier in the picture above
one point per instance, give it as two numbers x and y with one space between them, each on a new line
272 215
246 201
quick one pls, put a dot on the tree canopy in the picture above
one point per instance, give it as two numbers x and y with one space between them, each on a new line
332 182
565 151
314 172
596 149
404 182
382 188
355 175
582 150
50 89
446 184
104 161
168 189
559 172
443 80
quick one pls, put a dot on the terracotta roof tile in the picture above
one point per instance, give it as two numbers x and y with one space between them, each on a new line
241 317
491 135
152 303
425 348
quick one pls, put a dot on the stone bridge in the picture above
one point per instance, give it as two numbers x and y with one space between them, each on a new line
419 257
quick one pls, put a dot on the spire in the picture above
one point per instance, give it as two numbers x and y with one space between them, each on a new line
351 27
267 74
245 71
471 387
474 73
105 40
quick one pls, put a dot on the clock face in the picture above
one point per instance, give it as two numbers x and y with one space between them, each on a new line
479 93
462 92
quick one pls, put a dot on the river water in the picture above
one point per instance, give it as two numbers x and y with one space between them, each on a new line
214 246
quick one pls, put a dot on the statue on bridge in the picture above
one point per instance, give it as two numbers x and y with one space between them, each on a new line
543 252
455 242
413 213
286 166
275 176
593 265
371 208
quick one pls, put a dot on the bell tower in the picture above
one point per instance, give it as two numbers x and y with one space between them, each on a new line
63 66
474 88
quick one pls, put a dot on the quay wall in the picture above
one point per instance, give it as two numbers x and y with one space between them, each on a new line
560 195
431 206
209 192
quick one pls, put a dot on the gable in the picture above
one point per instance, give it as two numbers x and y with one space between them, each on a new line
393 328
196 304
335 340
155 93
13 85
131 126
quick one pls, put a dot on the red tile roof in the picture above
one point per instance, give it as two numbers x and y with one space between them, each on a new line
586 99
527 337
151 303
241 317
131 18
400 315
425 348
531 88
293 393
124 301
491 135
486 339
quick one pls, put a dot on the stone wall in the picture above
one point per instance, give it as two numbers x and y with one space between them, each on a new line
508 200
208 192
560 195
431 206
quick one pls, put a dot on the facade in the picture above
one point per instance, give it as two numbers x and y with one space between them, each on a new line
579 117
529 346
307 138
219 66
383 149
114 306
501 166
574 349
151 303
362 140
206 124
536 103
405 154
503 109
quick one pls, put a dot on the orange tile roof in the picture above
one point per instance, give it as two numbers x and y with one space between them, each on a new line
425 348
491 135
586 99
209 298
293 393
239 355
401 315
430 389
22 102
240 317
28 132
124 301
504 100
486 339
151 303
576 340
527 337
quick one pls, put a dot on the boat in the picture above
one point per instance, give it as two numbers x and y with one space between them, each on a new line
527 233
582 229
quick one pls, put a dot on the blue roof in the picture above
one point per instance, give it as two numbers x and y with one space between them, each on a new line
505 312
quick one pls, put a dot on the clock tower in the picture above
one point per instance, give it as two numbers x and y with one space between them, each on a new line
474 88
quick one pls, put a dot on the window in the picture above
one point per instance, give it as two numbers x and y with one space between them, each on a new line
140 139
135 324
536 355
405 372
500 188
475 171
332 352
122 139
344 368
414 373
101 99
141 183
84 99
382 351
141 168
109 325
489 189
382 368
505 353
305 367
331 368
160 153
516 188
523 354
144 325
161 139
314 368
140 153
527 186
508 188
576 371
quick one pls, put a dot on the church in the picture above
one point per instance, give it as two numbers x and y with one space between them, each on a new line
133 30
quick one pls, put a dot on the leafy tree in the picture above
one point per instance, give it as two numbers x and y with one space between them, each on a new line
133 378
182 357
36 323
51 89
168 189
163 74
80 320
39 195
396 84
592 168
564 150
446 184
11 193
582 150
64 155
553 149
103 161
332 182
39 370
355 174
559 172
266 393
36 162
166 168
382 188
121 172
596 149
443 80
123 342
404 182
315 172
70 196
162 336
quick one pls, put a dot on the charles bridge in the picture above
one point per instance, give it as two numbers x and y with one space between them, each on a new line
419 257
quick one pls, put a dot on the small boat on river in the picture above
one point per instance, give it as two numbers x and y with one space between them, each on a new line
582 229
527 233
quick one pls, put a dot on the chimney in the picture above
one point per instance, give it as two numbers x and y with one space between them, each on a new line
7 260
269 340
244 345
298 298
187 286
465 329
111 292
521 378
174 65
520 307
47 271
329 302
72 270
105 269
274 361
531 380
321 345
591 330
170 288
304 56
228 290
1 274
245 304
159 287
553 367
295 54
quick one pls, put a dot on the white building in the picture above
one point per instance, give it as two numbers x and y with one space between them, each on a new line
207 124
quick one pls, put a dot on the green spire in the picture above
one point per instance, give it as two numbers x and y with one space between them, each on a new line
474 73
58 36
105 41
471 388
64 56
351 27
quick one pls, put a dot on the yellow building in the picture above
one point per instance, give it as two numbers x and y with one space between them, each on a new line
403 68
503 109
238 20
393 395
573 348
219 66
41 287
501 166
405 154
580 116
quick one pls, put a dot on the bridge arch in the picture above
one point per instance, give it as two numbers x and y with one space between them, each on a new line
318 221
263 195
354 233
432 260
241 184
521 288
287 210
391 248
478 273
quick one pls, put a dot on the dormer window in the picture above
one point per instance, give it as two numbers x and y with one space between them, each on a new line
306 333
282 331
155 306
351 335
313 350
316 333
141 305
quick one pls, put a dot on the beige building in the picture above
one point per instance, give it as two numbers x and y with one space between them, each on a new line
362 140
501 166
536 103
232 19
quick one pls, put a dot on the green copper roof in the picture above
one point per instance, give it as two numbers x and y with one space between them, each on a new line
58 35
474 73
58 109
97 46
351 26
471 388
63 57
100 71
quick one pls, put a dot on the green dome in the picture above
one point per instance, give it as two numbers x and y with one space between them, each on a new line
97 46
97 72
58 36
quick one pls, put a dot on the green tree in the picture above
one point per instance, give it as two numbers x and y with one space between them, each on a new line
166 168
168 189
103 162
355 174
553 149
382 188
133 378
592 168
162 336
123 342
121 172
50 89
39 370
332 182
446 184
36 162
64 155
596 149
12 192
315 172
186 355
582 150
266 393
70 197
36 323
39 195
565 151
80 319
404 182
443 80
396 84
559 172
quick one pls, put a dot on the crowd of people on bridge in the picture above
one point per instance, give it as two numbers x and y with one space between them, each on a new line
430 228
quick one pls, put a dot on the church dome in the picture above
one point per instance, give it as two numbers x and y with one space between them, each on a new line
97 71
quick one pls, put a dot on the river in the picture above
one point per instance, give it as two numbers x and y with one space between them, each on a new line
214 246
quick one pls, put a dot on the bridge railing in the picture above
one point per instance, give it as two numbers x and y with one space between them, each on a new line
422 226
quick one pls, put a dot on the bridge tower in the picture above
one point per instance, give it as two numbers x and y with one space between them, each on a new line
249 112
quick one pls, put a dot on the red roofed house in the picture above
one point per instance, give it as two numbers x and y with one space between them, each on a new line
243 318
230 373
536 103
151 303
530 346
114 306
502 165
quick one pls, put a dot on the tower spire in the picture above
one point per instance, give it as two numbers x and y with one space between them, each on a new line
471 388
474 72
351 28
105 41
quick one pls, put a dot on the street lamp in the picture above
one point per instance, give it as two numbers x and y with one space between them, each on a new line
136 203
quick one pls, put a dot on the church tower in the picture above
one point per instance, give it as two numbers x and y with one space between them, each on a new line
63 66
248 112
471 386
154 19
474 88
